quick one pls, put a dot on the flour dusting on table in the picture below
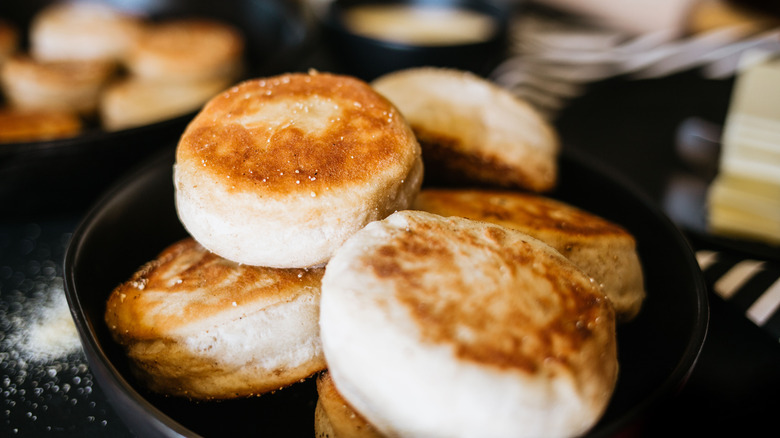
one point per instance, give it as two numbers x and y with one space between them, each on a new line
43 329
46 385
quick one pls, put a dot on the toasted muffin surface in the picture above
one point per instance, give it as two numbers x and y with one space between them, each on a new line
9 40
82 31
60 73
602 248
296 133
453 327
334 417
510 208
54 85
197 326
134 101
558 302
281 171
186 285
23 125
187 49
472 129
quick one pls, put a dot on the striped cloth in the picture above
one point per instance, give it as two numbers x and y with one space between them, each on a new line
753 286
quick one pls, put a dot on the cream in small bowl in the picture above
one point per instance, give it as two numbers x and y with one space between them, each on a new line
424 25
368 38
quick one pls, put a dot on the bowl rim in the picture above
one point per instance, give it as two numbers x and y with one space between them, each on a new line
679 375
104 370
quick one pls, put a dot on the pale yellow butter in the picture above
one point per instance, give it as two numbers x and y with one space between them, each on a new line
744 199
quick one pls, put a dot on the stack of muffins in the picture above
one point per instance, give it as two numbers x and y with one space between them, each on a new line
315 251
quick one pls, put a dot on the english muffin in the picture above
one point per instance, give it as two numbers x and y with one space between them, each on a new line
601 248
435 326
187 49
133 101
471 129
198 326
30 125
280 171
334 417
9 40
54 85
66 31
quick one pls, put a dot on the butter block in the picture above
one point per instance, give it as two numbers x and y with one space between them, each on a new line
744 207
743 201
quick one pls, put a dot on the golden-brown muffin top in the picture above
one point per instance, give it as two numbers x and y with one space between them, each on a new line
9 39
179 46
524 211
603 249
187 284
471 129
18 125
298 133
345 421
497 296
57 73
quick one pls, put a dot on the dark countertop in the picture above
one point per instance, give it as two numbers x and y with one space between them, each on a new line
630 124
57 397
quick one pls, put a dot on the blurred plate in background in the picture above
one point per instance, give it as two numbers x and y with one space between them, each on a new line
66 175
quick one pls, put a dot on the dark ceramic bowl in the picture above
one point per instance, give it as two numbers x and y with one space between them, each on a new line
68 174
134 221
369 57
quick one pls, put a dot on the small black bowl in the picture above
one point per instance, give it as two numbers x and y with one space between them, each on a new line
368 57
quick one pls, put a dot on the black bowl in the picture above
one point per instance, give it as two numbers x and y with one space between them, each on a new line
133 222
368 57
68 174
